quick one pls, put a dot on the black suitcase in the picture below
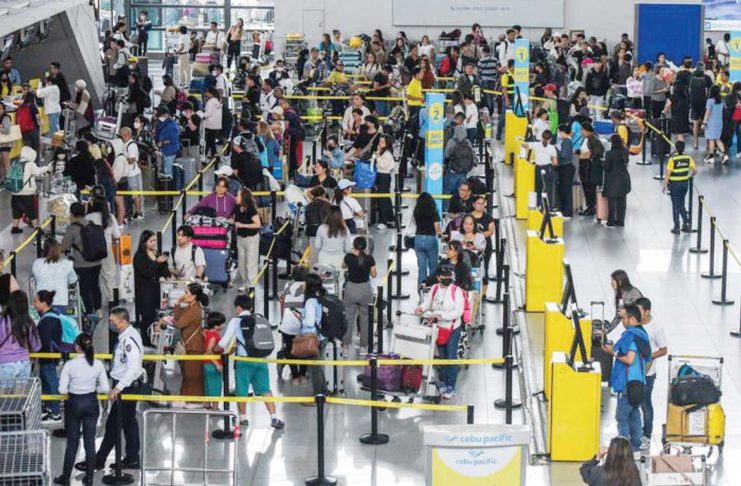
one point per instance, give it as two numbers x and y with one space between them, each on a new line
694 390
164 203
598 338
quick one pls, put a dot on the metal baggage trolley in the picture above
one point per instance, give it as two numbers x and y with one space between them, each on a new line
671 470
163 341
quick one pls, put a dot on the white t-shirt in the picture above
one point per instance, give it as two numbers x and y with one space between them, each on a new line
658 340
350 206
50 94
543 155
184 40
539 126
132 152
215 39
472 116
186 261
721 51
425 49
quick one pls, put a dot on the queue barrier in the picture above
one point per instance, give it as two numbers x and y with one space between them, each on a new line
36 235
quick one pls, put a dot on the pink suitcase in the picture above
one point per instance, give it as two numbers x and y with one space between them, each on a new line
601 210
204 57
211 237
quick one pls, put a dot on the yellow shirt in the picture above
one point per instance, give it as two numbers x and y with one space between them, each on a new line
414 89
683 173
336 77
622 130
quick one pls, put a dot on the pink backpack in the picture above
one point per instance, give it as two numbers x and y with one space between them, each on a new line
467 318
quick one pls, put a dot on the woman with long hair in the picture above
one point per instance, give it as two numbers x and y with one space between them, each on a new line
358 293
429 78
625 294
188 316
617 181
471 240
149 267
455 258
54 272
579 102
19 338
370 67
426 239
81 379
385 165
615 466
332 240
712 124
310 323
247 222
99 213
81 167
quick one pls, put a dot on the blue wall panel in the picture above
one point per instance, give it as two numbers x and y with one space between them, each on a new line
675 30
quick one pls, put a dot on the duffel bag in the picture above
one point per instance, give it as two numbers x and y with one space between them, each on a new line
388 376
694 390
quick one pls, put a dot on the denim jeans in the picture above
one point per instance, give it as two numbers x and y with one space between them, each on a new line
92 296
53 122
15 370
427 248
678 193
647 407
500 124
628 419
80 410
451 181
382 108
449 374
167 163
50 384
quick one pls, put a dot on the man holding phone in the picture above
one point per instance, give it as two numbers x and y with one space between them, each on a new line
189 262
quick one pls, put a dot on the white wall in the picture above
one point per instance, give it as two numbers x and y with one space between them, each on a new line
605 19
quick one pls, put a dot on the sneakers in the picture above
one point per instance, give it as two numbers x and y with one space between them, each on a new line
645 443
277 423
381 226
82 466
137 217
243 422
51 417
724 158
15 230
709 159
675 231
448 394
686 228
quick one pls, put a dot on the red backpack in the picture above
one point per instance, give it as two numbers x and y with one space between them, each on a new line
25 119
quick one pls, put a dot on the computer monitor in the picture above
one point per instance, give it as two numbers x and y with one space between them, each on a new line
546 223
569 291
577 344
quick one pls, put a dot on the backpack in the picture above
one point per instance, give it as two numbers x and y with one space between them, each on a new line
147 84
70 331
180 97
467 317
15 181
333 322
25 119
94 246
463 159
258 336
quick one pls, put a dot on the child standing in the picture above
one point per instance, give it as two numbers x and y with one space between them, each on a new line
212 369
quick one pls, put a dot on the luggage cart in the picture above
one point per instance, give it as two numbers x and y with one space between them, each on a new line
704 427
20 405
163 341
171 291
74 308
24 458
672 470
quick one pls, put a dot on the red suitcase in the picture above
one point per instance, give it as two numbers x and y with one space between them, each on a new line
411 378
211 237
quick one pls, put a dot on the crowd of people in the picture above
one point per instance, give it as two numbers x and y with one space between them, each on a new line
263 140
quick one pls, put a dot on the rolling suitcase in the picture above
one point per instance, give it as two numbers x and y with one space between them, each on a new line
599 326
388 377
213 237
164 203
602 210
178 178
411 378
577 197
217 266
333 375
188 164
105 127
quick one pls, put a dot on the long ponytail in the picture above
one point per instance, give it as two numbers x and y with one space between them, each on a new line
85 342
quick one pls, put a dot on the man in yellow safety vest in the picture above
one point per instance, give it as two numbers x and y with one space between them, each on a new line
679 169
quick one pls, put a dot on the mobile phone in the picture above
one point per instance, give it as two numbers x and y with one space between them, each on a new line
166 253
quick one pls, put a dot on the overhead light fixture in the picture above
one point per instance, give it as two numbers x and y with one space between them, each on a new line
27 36
45 28
8 44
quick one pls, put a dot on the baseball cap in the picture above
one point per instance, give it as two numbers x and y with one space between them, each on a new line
344 184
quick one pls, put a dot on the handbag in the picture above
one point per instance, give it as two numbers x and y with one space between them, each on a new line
364 175
305 345
443 335
737 113
14 135
634 391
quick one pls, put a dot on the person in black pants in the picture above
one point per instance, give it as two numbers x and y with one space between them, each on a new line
565 170
385 164
81 378
617 181
591 151
148 268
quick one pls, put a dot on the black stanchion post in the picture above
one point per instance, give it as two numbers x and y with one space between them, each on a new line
643 154
313 151
379 318
320 479
118 477
274 294
389 291
174 231
505 326
266 291
200 186
398 269
398 207
698 247
469 415
691 207
227 433
664 123
159 242
13 268
38 243
724 278
374 438
737 332
273 207
53 225
371 327
183 206
499 255
711 270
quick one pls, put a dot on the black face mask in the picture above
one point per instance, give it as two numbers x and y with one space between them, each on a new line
445 282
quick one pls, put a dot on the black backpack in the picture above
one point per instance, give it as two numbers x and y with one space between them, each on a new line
333 322
258 336
462 159
94 246
694 390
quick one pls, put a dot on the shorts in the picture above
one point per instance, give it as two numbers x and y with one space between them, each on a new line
123 185
21 205
697 112
255 374
135 182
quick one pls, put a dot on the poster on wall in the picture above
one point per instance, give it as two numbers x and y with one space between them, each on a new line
528 13
722 15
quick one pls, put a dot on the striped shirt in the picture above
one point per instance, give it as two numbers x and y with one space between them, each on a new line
488 68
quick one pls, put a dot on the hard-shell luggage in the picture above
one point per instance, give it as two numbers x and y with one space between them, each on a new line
178 178
204 57
411 378
105 127
188 165
388 377
211 237
705 425
292 296
164 203
601 211
217 266
330 277
334 375
577 197
599 326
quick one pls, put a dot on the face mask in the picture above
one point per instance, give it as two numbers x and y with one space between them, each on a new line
162 118
445 282
112 327
214 74
137 125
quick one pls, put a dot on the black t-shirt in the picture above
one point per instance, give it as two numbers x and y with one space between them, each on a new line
382 80
357 272
426 226
482 225
363 140
458 205
245 216
193 136
315 213
329 182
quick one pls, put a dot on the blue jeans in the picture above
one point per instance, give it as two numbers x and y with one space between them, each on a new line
427 248
50 384
382 108
81 411
451 181
647 407
167 163
678 193
500 124
16 370
449 374
53 122
628 419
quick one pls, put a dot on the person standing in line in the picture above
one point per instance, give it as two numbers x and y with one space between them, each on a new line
565 170
385 165
212 369
50 94
546 159
679 169
149 267
143 26
358 293
426 239
22 201
188 312
181 51
659 348
657 90
712 125
617 181
54 272
126 373
247 223
81 378
19 337
234 42
50 333
591 151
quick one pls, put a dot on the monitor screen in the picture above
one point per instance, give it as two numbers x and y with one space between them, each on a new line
722 15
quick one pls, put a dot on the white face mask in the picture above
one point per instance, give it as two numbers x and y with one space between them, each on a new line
137 125
214 73
162 118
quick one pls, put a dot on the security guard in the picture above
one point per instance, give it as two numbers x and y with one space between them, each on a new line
679 169
126 374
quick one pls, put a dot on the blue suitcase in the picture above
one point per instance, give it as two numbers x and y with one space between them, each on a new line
178 177
197 85
604 127
217 266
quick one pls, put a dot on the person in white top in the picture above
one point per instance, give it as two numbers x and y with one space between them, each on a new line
181 51
133 173
81 378
659 348
212 119
54 272
98 213
120 171
540 124
352 212
214 38
22 200
50 94
722 51
120 34
347 120
472 117
426 49
385 165
506 48
188 261
546 159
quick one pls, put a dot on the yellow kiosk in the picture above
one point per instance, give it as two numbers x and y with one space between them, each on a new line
543 271
524 181
514 127
535 219
559 334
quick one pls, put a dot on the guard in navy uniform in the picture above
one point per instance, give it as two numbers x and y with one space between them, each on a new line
126 374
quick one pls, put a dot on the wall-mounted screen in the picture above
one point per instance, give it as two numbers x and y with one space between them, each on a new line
723 15
528 13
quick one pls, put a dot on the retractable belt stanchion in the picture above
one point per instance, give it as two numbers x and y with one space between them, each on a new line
691 206
643 154
183 206
379 318
371 327
711 270
398 207
274 294
389 291
273 206
398 269
320 479
53 226
664 127
374 438
39 246
724 278
13 268
159 242
266 291
506 327
200 187
173 231
698 247
737 332
500 274
118 477
469 415
508 403
227 433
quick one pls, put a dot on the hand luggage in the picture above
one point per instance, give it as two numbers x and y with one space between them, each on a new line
215 237
603 127
105 127
577 197
693 390
197 85
178 178
217 266
705 425
126 283
599 327
203 57
282 247
122 250
601 211
188 165
164 203
292 296
199 69
388 377
411 378
333 375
